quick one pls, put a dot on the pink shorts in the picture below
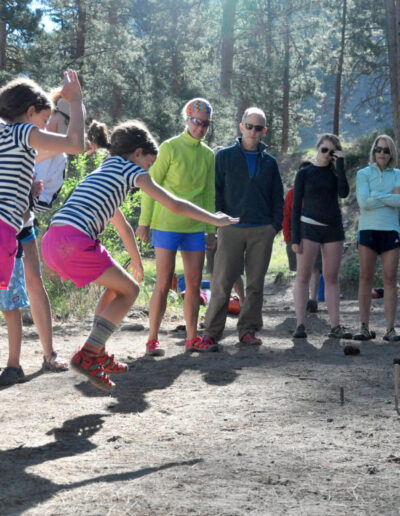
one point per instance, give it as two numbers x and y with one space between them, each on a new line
8 252
75 256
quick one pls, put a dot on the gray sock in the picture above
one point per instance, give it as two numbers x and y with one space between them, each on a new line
101 332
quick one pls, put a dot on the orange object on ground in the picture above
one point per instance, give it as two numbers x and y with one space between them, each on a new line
234 305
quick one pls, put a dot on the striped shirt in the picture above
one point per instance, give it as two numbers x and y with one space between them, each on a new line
17 160
96 199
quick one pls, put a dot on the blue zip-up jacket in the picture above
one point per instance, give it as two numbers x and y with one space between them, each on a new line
379 207
257 200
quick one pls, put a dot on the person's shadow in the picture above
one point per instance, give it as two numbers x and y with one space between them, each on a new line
21 490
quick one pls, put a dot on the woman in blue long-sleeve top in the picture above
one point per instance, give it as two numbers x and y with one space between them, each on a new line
378 195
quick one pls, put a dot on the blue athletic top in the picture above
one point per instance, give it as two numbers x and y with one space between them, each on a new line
379 207
251 157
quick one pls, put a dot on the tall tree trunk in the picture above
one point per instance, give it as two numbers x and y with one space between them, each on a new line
339 76
176 58
393 52
286 92
80 35
269 68
243 104
116 104
3 40
227 46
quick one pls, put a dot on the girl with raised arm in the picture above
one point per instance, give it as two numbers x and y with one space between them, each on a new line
24 111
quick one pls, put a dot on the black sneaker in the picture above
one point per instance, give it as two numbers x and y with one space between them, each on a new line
391 335
12 375
312 306
300 332
365 333
339 332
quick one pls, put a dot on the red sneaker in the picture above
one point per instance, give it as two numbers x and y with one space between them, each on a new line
91 368
111 366
250 338
202 345
154 349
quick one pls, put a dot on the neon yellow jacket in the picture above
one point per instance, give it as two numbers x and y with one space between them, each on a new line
185 167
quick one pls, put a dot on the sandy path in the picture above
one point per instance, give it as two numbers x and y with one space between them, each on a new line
249 430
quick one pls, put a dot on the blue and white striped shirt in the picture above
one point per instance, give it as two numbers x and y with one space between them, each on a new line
17 160
96 199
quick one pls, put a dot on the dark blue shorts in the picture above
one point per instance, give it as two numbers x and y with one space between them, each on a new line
378 241
28 233
178 241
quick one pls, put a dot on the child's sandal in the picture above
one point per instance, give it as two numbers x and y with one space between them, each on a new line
54 363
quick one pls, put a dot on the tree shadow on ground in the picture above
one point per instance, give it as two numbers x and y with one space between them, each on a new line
21 490
276 356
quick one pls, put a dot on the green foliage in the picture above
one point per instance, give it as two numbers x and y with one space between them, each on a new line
358 154
145 58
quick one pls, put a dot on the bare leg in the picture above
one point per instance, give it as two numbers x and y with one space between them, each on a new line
305 262
14 327
38 298
390 263
239 289
331 258
165 266
367 258
122 291
193 265
314 284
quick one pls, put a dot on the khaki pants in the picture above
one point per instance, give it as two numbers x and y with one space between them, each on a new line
237 245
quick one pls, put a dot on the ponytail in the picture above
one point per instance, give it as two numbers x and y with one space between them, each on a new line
98 134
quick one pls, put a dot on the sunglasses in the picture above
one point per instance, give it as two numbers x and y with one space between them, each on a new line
199 123
324 150
249 127
385 150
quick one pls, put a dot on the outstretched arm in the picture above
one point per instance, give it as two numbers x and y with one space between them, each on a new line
127 235
180 206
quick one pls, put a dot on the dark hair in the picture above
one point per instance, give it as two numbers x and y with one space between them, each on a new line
97 133
331 138
304 164
20 94
334 140
125 138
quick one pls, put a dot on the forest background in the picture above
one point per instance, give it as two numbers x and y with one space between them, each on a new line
311 66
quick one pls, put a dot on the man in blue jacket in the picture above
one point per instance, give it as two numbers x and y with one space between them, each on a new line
248 185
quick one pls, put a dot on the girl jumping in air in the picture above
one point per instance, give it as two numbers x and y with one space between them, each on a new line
71 247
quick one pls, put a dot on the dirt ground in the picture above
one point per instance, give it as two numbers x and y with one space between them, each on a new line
249 430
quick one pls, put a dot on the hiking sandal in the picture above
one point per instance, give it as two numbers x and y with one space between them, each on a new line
54 363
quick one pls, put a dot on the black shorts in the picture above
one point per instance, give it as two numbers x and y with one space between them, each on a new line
322 234
379 241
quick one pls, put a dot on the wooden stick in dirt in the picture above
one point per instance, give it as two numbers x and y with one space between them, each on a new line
396 363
